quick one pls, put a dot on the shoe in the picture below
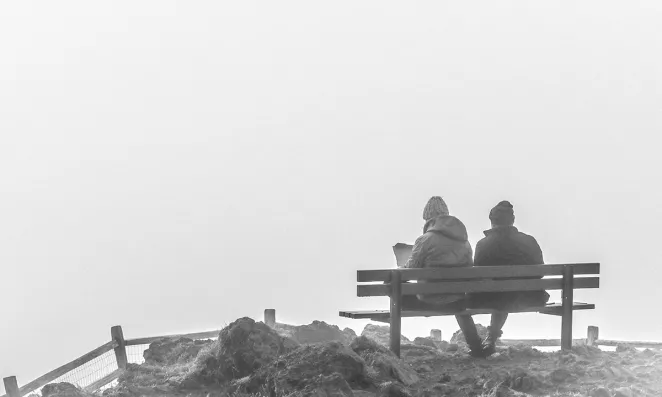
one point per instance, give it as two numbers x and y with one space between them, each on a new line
489 344
477 352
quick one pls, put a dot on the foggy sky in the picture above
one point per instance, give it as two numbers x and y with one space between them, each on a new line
172 166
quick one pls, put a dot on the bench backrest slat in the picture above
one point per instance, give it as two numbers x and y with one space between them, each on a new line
478 286
454 273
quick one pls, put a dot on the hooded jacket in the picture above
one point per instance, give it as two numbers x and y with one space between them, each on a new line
444 243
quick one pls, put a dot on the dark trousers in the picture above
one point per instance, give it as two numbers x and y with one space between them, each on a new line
505 301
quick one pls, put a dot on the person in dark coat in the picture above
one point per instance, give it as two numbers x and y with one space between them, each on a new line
444 243
504 245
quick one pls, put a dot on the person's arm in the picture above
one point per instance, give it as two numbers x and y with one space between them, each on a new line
536 252
480 256
417 254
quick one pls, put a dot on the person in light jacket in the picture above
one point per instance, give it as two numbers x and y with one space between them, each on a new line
444 243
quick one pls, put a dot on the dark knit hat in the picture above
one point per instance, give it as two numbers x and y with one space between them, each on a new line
502 214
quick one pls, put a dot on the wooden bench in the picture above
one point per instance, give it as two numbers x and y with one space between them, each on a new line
472 280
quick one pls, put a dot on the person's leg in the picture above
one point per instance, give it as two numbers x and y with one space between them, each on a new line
471 336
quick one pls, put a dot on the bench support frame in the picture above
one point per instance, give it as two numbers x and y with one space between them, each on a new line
566 319
396 312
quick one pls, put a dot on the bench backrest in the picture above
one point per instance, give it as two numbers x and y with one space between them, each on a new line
480 279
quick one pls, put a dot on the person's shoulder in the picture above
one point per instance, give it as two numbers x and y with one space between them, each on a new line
527 239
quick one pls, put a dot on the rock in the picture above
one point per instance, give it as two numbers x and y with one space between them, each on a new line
384 362
600 392
63 389
381 334
452 347
444 378
316 332
424 368
150 380
363 393
443 389
419 352
425 342
302 368
242 348
560 375
443 345
523 351
623 392
169 351
392 389
626 349
328 386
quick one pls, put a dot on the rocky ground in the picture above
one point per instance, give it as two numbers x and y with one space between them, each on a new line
252 359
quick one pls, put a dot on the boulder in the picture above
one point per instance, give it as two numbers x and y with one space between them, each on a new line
623 392
302 368
150 380
560 375
333 385
169 351
392 389
425 342
319 331
381 334
63 389
600 392
626 349
242 348
386 365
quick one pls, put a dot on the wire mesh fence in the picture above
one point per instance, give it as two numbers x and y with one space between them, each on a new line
134 354
87 373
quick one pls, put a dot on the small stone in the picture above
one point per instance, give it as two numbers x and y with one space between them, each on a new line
392 389
424 342
362 393
626 349
623 392
600 392
560 375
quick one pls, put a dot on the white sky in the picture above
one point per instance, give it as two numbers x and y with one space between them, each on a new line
172 166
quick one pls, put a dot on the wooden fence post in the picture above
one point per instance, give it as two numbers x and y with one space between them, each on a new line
11 387
435 335
591 335
117 335
270 317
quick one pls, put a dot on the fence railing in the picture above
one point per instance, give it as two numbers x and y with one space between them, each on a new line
113 364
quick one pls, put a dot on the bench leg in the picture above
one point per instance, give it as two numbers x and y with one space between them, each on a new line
396 312
566 320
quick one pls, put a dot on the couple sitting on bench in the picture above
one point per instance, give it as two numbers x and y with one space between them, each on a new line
444 243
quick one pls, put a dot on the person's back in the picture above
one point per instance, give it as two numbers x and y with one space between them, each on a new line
504 245
444 243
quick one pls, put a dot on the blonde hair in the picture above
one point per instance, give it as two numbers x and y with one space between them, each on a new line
434 208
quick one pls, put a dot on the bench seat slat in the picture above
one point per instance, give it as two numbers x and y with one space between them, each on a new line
477 272
377 315
478 286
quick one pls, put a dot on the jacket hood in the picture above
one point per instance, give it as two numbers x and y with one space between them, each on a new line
449 226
